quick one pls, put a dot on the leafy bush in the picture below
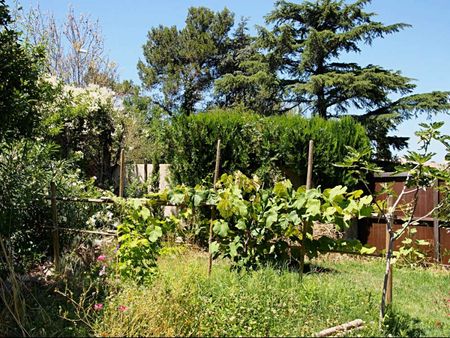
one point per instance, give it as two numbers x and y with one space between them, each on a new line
260 225
410 252
20 89
87 126
26 170
140 234
272 147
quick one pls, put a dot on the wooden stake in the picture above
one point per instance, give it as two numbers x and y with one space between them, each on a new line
386 297
437 244
310 165
122 173
213 209
55 232
145 171
307 226
389 238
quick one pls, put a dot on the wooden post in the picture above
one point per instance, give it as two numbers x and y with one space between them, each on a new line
55 231
437 244
216 169
122 173
213 210
310 165
389 234
145 171
307 226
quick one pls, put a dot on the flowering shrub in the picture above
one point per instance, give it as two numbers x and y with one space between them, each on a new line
85 122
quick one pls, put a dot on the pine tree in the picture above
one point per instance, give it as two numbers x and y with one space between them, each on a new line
247 80
181 65
304 45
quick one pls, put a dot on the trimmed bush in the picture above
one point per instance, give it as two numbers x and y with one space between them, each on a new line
271 147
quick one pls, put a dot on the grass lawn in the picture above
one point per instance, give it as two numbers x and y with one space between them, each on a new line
184 301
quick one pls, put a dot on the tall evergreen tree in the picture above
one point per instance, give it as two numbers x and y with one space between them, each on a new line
304 44
246 78
181 65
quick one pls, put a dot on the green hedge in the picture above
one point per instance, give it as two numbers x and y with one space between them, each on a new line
271 147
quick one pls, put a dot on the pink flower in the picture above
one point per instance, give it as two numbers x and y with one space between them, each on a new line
98 307
101 258
122 308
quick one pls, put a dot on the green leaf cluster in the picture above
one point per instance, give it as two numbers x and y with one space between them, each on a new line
20 89
140 234
295 64
273 147
258 225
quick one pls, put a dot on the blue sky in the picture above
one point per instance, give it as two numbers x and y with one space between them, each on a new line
421 52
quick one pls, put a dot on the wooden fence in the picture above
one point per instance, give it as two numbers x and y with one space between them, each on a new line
372 231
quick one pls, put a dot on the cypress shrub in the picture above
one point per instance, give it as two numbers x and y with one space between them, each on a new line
271 147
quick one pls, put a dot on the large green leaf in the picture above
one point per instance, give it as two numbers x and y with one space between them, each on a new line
155 234
177 198
145 213
281 188
214 247
272 217
312 207
221 228
234 246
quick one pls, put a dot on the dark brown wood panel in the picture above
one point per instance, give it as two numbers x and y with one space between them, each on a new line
377 237
425 198
445 245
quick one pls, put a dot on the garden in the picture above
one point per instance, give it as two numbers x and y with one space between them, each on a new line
253 228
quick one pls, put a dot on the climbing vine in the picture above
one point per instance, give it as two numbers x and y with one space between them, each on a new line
253 225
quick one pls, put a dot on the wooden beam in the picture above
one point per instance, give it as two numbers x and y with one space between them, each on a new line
354 324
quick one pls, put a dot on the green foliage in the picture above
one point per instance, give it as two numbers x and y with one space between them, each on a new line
293 65
184 301
247 80
86 126
401 325
272 147
305 43
26 170
183 63
144 126
410 252
258 226
20 88
140 234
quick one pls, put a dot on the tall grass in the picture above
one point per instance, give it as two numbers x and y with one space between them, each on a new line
184 301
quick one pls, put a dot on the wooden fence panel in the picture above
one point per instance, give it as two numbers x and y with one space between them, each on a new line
374 234
445 245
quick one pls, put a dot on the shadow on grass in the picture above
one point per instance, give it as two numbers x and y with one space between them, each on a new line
400 324
294 266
